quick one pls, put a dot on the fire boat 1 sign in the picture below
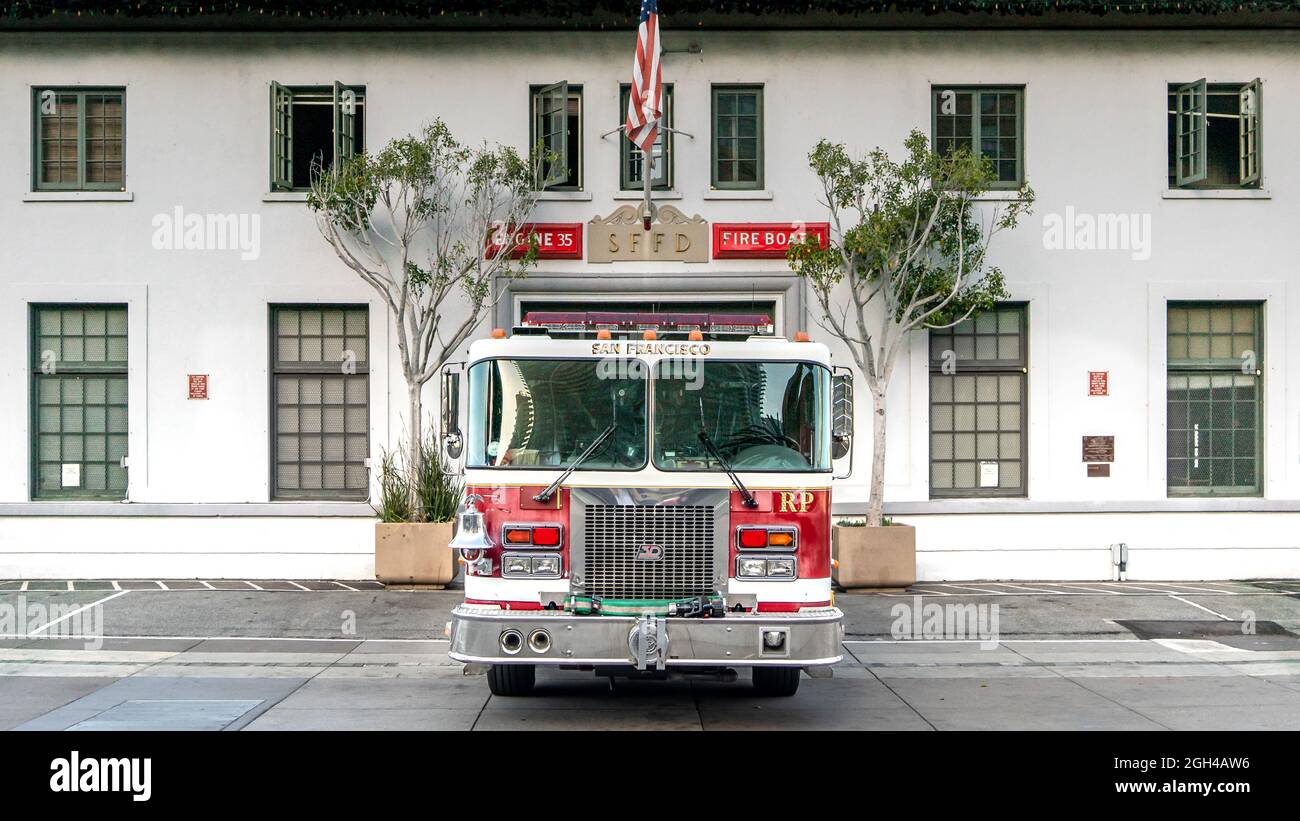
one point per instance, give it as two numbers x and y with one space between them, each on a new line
759 240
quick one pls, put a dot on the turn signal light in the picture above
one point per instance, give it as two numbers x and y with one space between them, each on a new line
758 537
518 535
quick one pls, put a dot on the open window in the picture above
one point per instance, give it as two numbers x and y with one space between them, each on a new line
556 128
1214 134
321 125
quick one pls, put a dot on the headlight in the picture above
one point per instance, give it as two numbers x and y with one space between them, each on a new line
546 566
524 565
783 568
777 568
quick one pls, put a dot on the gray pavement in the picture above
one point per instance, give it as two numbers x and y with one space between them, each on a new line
322 656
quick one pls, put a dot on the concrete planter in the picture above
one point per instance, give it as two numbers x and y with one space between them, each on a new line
874 557
414 554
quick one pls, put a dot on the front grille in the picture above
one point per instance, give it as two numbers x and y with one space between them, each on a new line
617 534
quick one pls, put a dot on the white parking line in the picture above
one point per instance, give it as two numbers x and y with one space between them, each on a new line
969 587
208 586
1199 607
341 584
1023 587
66 616
1077 586
295 584
1179 587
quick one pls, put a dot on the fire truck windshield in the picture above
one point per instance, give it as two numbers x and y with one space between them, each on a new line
761 416
543 413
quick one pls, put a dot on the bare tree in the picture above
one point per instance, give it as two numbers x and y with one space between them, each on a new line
415 221
907 251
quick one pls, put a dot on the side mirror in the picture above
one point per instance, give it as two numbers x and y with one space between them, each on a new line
841 413
452 440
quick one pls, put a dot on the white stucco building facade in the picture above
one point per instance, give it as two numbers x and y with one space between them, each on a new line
201 496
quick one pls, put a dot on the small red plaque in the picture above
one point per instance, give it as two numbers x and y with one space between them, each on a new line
555 240
758 240
198 385
1098 383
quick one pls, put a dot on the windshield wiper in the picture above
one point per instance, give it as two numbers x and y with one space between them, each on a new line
545 495
745 495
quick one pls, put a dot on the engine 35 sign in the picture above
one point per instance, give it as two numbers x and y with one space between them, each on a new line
757 240
555 240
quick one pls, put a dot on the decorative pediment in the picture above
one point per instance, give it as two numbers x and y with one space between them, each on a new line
673 236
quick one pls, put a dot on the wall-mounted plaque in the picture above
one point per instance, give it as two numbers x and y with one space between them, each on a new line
673 237
1099 448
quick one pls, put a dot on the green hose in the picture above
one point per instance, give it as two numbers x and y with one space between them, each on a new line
589 605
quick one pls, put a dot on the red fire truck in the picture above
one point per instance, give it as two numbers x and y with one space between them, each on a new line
645 495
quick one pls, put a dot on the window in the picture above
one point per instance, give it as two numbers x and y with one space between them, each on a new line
760 416
987 121
544 413
556 126
631 156
977 405
737 137
321 396
1214 135
79 398
1214 429
323 126
79 139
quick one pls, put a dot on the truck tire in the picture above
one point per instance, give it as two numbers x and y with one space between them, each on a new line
777 681
511 679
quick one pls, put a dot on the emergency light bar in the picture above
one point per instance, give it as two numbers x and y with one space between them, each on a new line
639 321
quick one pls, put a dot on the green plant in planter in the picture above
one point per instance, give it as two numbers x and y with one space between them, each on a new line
394 491
437 489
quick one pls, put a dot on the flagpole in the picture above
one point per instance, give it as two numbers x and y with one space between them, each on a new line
647 174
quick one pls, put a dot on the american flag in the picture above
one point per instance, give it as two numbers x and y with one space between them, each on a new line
645 103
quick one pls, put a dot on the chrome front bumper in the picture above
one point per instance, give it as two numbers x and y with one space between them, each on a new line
810 638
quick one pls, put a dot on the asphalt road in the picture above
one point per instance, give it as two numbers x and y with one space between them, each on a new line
1098 656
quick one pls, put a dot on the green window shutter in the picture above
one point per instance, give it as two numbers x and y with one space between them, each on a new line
79 402
551 130
1251 104
1191 132
345 124
281 138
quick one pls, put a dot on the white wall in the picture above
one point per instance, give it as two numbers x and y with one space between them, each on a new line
1095 139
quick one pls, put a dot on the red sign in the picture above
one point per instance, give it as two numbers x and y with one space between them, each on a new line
198 386
555 240
758 240
1098 383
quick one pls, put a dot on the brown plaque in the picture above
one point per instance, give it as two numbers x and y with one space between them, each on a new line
198 383
1099 448
1098 471
673 237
